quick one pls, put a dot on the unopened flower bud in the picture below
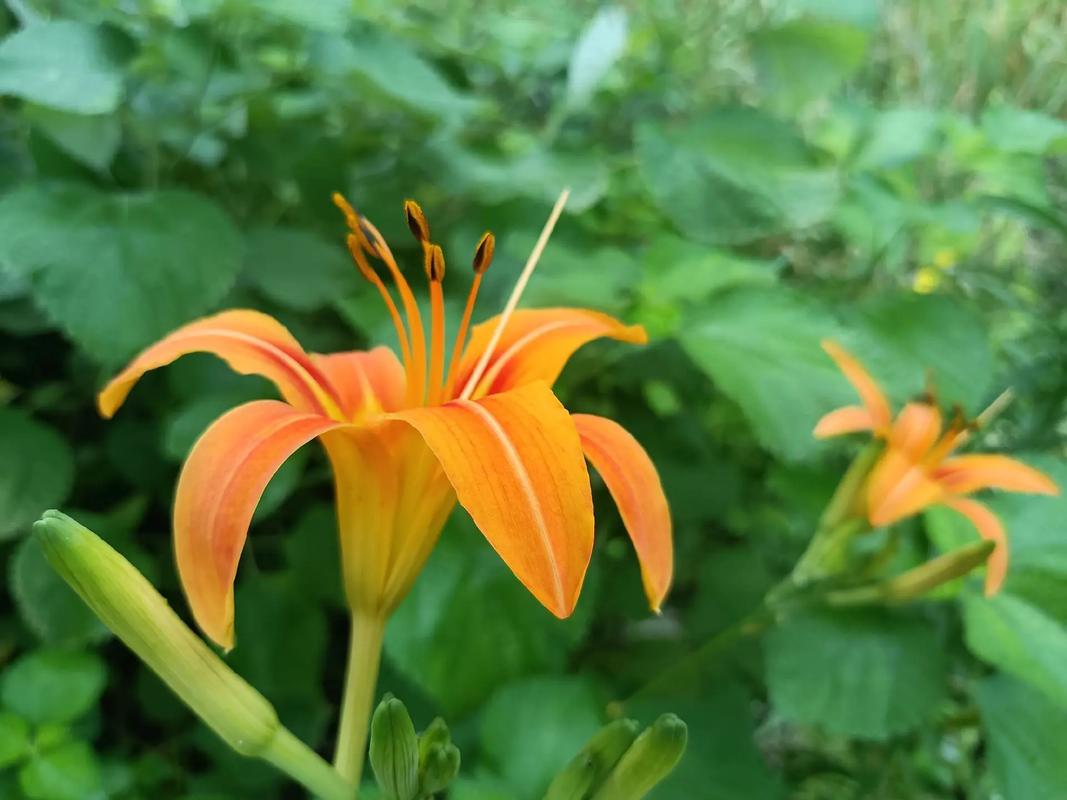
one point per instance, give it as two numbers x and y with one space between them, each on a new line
593 763
647 762
131 607
438 769
394 750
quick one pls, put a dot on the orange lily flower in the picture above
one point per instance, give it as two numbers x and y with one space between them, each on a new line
917 469
407 438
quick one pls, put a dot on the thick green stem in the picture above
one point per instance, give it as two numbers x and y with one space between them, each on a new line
295 758
364 656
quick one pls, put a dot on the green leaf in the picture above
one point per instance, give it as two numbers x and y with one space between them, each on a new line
518 717
806 58
1020 639
64 65
53 685
734 176
322 15
296 268
159 258
601 44
69 772
14 738
869 674
469 626
1027 748
762 349
47 604
1019 130
91 139
36 470
380 66
722 761
897 136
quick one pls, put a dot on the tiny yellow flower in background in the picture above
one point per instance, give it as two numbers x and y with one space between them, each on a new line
926 280
916 468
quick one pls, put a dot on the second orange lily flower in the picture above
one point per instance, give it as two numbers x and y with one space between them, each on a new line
917 468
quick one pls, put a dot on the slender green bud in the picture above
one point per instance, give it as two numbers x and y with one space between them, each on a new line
595 760
918 581
648 761
131 607
438 769
394 750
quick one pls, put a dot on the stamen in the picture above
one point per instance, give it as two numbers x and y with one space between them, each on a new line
483 257
435 271
420 228
416 386
365 269
516 294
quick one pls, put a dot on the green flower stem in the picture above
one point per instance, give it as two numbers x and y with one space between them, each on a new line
364 657
295 758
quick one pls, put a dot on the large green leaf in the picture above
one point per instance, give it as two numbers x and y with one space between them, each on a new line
14 738
36 470
599 47
53 685
734 176
296 268
469 626
868 674
532 729
805 58
1020 639
91 139
762 349
64 65
1027 748
117 271
69 772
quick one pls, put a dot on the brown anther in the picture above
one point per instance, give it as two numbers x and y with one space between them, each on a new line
420 228
355 247
435 263
371 241
483 253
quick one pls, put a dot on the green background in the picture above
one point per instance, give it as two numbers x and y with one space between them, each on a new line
749 177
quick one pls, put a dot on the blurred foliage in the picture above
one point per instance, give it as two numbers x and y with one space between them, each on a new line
749 177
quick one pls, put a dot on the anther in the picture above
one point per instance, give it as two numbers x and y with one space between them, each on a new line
483 253
435 263
371 239
416 220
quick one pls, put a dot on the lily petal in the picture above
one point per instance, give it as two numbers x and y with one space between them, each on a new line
874 399
989 527
635 486
850 419
516 464
915 429
966 474
371 380
250 342
897 488
219 488
536 344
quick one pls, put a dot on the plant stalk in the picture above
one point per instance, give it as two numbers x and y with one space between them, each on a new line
295 758
361 679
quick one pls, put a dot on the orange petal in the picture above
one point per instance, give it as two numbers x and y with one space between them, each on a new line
365 380
897 488
849 419
634 484
516 463
250 342
219 488
874 400
536 345
915 429
966 474
989 527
